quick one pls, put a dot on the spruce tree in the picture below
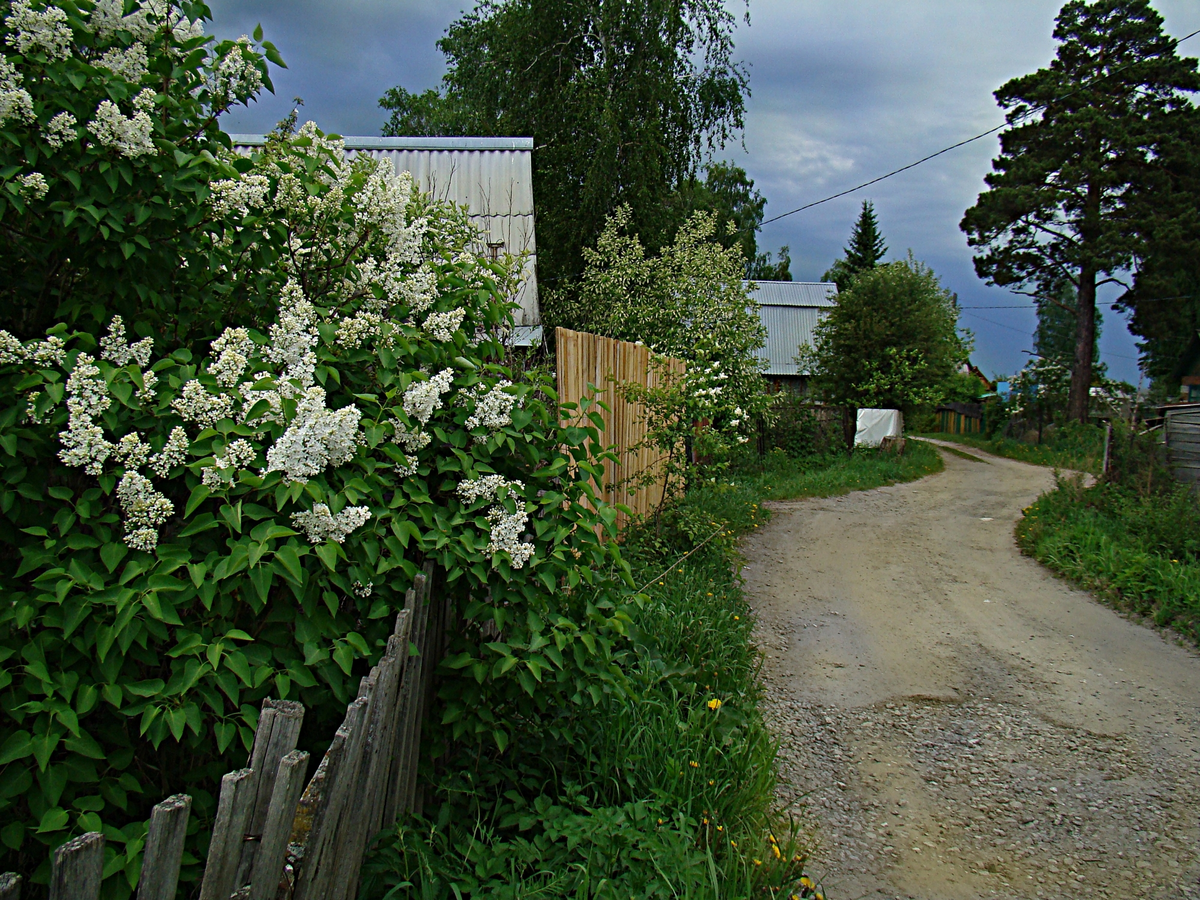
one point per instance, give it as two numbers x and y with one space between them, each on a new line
866 247
1082 146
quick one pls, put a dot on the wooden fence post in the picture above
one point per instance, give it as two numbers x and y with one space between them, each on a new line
78 868
225 848
164 848
10 886
272 850
277 734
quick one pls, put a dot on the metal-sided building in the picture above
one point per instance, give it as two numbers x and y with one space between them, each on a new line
790 310
491 177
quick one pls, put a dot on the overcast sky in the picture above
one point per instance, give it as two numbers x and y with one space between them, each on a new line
842 91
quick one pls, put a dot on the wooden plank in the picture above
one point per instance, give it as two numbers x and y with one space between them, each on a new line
277 734
164 848
10 886
225 848
325 837
272 849
78 868
387 750
406 745
421 687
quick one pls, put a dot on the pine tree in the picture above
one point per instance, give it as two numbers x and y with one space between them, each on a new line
1082 146
866 247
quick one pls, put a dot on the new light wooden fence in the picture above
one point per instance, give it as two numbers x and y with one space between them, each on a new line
638 478
273 836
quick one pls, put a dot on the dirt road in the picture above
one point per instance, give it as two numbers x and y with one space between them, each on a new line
958 722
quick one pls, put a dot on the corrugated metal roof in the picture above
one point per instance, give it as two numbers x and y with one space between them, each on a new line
790 310
795 293
491 177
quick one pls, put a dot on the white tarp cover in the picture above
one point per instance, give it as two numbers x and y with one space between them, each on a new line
876 424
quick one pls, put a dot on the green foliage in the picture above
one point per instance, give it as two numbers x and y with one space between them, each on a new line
864 252
148 618
729 192
1138 551
1062 199
780 477
121 129
890 341
622 100
800 429
1073 446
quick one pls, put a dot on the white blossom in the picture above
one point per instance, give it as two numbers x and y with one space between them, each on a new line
33 186
195 404
173 453
51 351
132 451
238 455
60 130
355 330
145 509
362 590
293 337
11 349
320 525
417 291
240 194
15 101
493 408
146 393
235 75
441 325
45 29
316 438
130 136
83 443
232 351
423 398
505 535
407 467
485 488
115 350
108 18
129 63
410 440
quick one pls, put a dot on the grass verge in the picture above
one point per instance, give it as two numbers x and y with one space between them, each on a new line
1076 448
1141 553
668 791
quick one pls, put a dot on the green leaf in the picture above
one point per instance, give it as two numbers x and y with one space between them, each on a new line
328 554
200 493
54 819
148 688
261 577
344 657
18 746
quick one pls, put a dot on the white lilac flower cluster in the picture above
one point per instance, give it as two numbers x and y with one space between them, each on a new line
59 130
354 331
146 393
83 443
132 451
49 352
240 194
173 453
33 186
441 326
127 63
493 407
15 101
116 351
319 525
109 17
420 401
362 590
505 529
195 404
145 510
232 351
129 136
236 75
238 454
293 337
318 437
45 30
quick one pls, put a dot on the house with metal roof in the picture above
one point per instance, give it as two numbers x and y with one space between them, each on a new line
790 310
491 177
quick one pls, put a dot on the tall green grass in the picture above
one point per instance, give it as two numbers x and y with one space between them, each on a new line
779 477
1076 447
1142 553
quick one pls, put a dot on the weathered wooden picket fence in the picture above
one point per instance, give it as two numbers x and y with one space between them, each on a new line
272 840
638 478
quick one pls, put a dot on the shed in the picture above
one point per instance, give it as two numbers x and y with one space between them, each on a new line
960 418
1181 434
491 177
790 310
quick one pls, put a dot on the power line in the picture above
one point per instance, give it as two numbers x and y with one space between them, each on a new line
1027 334
963 143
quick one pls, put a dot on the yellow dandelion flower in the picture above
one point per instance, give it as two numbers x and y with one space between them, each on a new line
778 855
714 704
737 618
712 782
758 862
733 844
660 821
805 881
720 828
694 764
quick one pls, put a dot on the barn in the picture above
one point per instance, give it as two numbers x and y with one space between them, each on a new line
790 311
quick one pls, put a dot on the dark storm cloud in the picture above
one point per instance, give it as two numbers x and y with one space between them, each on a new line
842 92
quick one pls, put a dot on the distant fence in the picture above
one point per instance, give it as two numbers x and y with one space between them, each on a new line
1181 435
271 839
638 479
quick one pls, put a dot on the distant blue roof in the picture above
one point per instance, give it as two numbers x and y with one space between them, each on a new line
790 310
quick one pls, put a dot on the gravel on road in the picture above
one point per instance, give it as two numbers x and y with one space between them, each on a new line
955 721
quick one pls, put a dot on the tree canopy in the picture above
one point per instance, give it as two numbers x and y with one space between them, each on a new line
1083 144
891 341
622 99
864 252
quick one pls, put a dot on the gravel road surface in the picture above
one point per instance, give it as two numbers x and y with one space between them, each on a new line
957 722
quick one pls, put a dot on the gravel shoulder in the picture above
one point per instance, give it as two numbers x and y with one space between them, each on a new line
954 720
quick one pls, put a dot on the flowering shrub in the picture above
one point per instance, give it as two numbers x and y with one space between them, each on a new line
192 525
